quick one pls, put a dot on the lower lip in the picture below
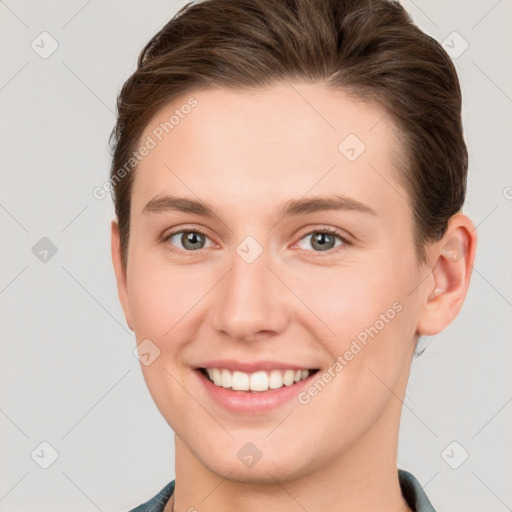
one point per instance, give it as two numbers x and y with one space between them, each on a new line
252 403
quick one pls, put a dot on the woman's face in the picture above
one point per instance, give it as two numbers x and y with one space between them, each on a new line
229 268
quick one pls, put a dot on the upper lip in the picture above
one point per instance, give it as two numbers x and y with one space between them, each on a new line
252 366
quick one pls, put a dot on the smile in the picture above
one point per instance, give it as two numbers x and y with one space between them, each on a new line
257 382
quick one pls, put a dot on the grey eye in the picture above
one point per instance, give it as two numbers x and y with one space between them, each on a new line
322 240
189 240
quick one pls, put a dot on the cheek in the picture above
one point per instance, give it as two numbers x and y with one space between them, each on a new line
151 308
161 295
163 300
366 320
347 300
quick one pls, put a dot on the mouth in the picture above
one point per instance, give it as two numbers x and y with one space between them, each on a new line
260 381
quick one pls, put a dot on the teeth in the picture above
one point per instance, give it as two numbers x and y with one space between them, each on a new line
216 376
240 381
225 377
275 380
256 382
289 377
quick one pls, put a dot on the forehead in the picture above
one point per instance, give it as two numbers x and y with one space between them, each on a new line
286 140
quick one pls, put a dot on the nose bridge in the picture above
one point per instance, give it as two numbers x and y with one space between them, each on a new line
249 301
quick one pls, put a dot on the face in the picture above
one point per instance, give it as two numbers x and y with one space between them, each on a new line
270 234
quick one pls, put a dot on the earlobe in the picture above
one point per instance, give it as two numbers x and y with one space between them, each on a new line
445 291
121 276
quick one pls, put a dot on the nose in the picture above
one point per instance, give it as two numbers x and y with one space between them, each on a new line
251 302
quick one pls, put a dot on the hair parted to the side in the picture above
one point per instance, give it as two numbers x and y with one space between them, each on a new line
370 49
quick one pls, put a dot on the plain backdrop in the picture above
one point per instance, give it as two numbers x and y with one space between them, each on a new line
72 393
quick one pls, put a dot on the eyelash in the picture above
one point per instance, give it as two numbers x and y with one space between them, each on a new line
326 230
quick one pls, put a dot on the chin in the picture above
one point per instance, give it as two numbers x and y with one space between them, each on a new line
267 470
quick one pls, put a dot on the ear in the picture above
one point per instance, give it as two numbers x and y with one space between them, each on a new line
451 260
121 275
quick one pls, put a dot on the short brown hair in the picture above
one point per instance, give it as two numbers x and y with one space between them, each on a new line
368 48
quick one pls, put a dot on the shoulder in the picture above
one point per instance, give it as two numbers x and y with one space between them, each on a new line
413 492
157 503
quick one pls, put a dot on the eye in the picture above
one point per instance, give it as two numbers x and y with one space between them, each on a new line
323 240
190 240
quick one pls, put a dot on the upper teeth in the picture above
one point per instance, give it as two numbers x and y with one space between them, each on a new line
258 381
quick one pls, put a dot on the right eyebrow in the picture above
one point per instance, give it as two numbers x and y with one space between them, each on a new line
180 204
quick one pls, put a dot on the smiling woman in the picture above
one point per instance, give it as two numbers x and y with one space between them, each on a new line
285 243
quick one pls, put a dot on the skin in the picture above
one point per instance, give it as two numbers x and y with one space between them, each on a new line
246 153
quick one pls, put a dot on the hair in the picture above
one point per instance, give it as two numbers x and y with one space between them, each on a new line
370 49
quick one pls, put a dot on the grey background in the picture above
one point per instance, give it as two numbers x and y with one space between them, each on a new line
68 374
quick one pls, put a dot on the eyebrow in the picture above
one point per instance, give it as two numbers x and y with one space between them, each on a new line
291 208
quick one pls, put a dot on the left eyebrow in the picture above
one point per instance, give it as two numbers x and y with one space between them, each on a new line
291 208
296 207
